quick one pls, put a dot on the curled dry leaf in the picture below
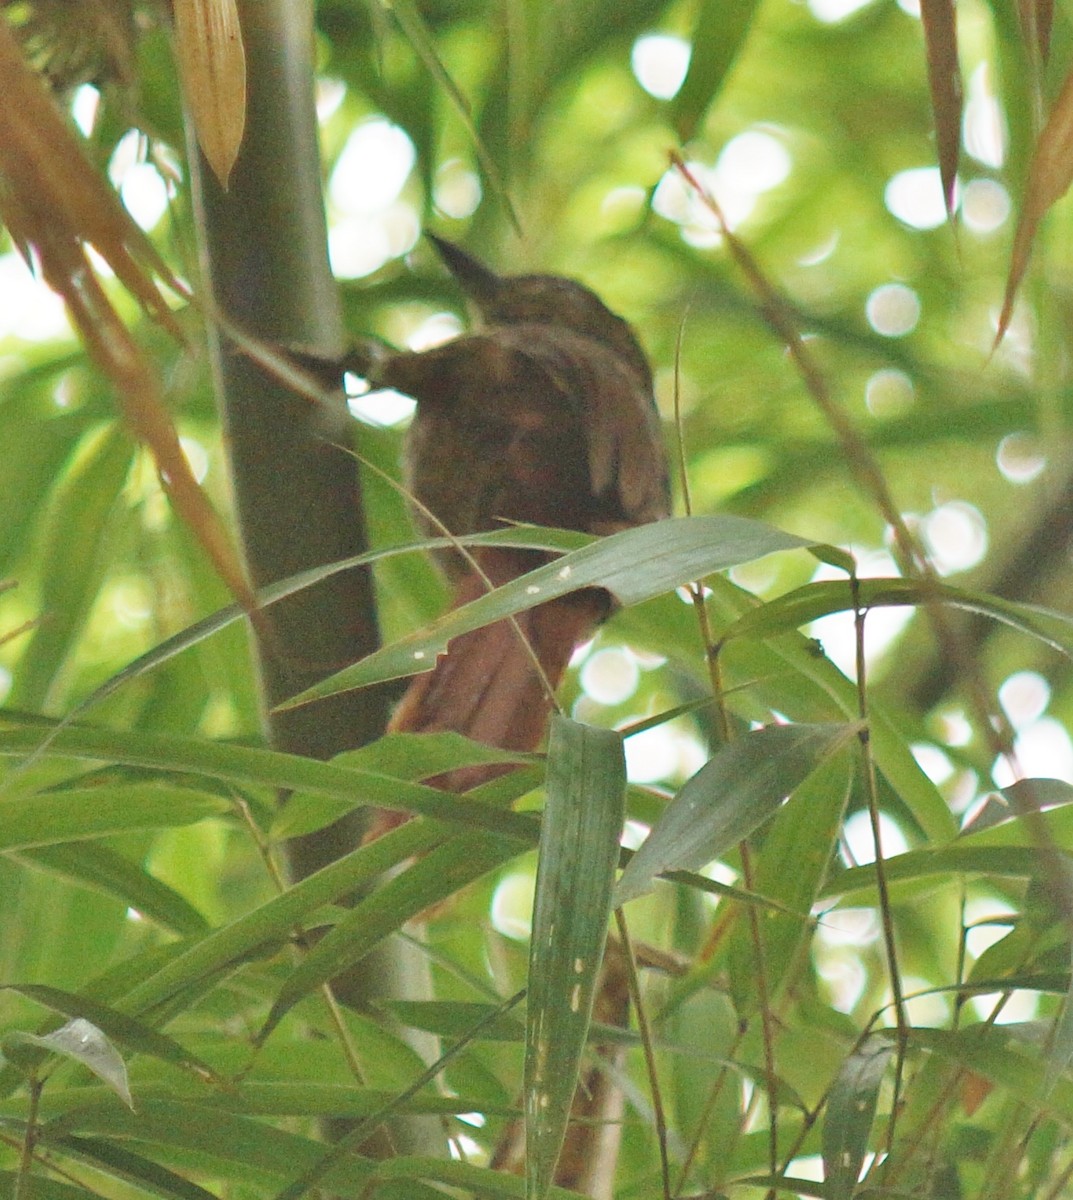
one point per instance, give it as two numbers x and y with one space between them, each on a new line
212 65
1049 178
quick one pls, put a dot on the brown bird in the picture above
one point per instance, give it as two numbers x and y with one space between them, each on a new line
545 415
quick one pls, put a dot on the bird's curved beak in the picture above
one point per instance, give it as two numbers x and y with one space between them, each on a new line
480 284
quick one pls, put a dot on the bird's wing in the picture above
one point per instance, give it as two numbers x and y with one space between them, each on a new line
624 443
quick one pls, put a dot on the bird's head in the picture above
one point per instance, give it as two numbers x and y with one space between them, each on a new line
541 300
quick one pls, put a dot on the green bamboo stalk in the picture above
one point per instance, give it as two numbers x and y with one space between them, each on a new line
297 488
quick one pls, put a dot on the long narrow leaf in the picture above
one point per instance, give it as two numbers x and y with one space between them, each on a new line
633 565
791 870
105 869
718 36
851 1109
814 600
744 783
44 820
242 765
1049 178
586 797
431 880
116 1161
276 920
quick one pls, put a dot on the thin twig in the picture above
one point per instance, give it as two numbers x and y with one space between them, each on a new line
885 913
645 1032
23 1186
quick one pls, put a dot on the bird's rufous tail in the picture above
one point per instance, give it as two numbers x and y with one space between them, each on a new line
486 686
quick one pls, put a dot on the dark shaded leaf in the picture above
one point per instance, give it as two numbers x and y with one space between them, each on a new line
851 1108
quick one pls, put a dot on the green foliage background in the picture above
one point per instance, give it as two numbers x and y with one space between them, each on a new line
138 858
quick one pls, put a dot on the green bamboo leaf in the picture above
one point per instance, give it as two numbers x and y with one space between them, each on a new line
67 816
718 36
999 1054
413 26
634 565
356 1137
530 537
84 1043
416 756
249 767
1008 803
452 1018
334 1100
796 858
458 861
851 1109
35 451
130 1033
407 756
579 841
1012 862
744 783
119 1163
274 921
103 868
815 600
80 527
44 1188
803 676
468 1178
228 1138
1007 848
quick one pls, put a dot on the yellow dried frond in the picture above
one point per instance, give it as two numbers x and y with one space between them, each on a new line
212 65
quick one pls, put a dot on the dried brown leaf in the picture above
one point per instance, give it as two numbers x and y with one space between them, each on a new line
944 82
1037 21
212 65
1049 178
64 196
53 200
